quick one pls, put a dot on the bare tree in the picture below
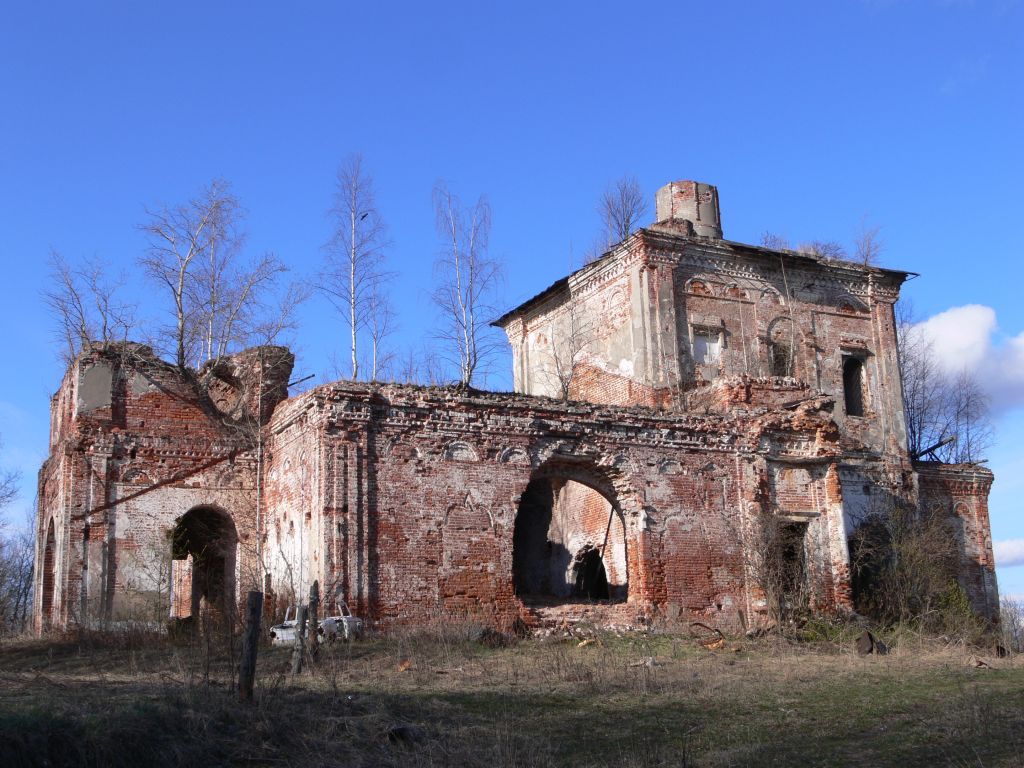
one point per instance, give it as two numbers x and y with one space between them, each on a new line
211 281
924 387
8 485
969 419
823 249
596 250
17 552
269 318
354 279
419 366
1011 624
622 206
408 368
939 405
227 293
195 252
868 245
466 280
774 241
86 307
381 320
569 338
234 313
178 237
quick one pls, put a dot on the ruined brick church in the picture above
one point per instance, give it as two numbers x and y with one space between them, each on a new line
672 399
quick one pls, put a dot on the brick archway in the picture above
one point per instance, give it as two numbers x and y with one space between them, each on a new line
571 541
204 546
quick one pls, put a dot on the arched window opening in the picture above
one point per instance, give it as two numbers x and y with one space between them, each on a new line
853 385
568 544
782 347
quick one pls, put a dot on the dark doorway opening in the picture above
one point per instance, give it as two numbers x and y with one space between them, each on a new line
534 556
793 570
568 544
591 580
204 542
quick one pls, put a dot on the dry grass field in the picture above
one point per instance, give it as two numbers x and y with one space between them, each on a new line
439 698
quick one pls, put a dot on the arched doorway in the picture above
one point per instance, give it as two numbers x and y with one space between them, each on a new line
204 543
569 542
49 576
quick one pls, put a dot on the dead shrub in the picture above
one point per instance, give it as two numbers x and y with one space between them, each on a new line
1011 625
777 562
904 566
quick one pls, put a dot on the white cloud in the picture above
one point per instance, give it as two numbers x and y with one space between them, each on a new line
1009 552
1005 373
960 336
965 337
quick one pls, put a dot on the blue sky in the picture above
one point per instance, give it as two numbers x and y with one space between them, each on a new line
809 117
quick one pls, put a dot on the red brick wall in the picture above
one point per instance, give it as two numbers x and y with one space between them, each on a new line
420 491
135 447
403 501
960 493
595 385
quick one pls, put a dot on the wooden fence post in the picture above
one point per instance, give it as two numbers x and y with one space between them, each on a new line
250 644
314 624
300 641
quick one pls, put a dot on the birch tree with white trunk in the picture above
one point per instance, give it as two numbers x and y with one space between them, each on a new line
466 279
354 278
222 300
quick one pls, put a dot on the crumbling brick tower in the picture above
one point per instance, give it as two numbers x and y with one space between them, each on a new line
675 399
148 501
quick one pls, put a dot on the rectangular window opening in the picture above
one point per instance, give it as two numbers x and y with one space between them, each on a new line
781 359
853 385
707 345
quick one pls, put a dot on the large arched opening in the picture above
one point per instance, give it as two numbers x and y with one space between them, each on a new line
49 576
569 542
204 544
